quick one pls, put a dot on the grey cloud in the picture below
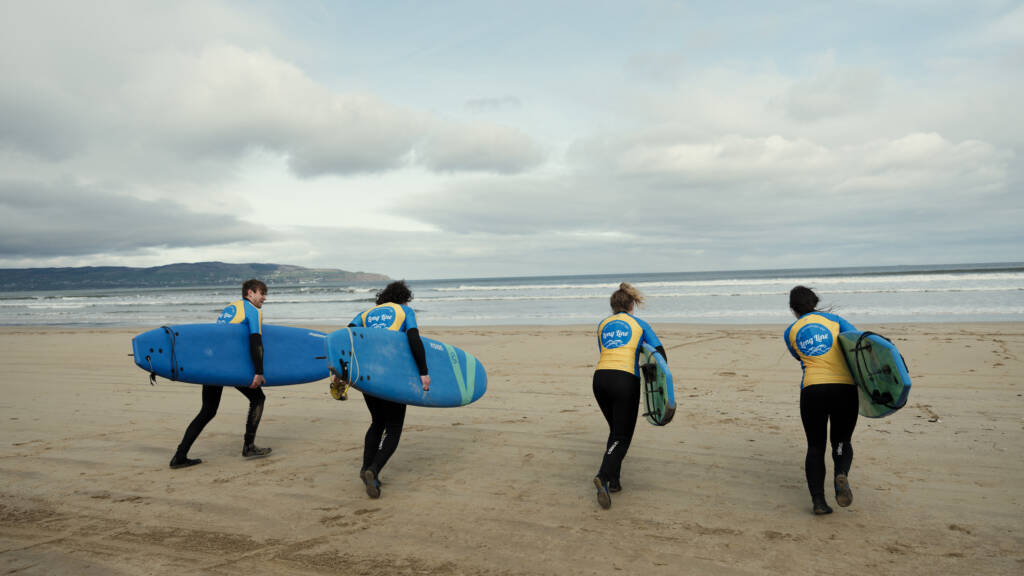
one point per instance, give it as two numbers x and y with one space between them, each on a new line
832 94
223 101
657 67
40 128
62 219
751 197
489 104
479 147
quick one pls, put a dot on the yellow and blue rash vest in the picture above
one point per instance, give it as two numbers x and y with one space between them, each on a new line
243 312
813 340
619 337
389 316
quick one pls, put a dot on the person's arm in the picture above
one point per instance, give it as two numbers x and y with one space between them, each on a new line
356 322
651 338
789 346
256 352
419 354
255 323
845 326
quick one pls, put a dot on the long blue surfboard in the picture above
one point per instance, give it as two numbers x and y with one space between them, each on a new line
659 393
878 368
379 363
218 354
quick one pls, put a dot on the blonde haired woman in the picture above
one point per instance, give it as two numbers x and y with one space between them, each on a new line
617 383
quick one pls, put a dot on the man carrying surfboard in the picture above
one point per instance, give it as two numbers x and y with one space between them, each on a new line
248 311
617 383
827 394
387 417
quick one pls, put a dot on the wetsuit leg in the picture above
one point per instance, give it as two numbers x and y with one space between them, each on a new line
607 404
256 401
384 432
618 395
843 415
211 401
814 416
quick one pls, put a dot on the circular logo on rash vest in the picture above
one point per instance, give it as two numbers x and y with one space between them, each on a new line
813 340
615 334
227 315
380 318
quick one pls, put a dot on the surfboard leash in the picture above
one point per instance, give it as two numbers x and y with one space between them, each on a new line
174 357
860 358
152 373
352 355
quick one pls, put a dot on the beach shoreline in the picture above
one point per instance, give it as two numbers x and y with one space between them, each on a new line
502 486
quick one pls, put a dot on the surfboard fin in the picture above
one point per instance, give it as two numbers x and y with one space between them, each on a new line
339 390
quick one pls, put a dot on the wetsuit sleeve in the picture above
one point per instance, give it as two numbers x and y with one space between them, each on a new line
253 318
650 337
785 337
419 354
845 326
256 351
410 319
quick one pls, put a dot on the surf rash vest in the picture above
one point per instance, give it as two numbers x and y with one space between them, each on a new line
814 341
389 316
243 312
400 318
619 337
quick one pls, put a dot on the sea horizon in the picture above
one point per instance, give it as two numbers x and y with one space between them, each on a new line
991 291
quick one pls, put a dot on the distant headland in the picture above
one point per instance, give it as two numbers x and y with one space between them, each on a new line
173 276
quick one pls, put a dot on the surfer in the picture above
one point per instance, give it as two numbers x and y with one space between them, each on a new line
827 395
617 383
387 417
248 311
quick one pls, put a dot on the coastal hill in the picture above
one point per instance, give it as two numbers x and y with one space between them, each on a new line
173 275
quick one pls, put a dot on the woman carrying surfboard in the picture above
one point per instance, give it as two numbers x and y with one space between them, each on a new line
827 395
387 417
617 383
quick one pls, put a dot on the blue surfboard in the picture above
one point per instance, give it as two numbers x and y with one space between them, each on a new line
878 368
218 354
379 363
659 395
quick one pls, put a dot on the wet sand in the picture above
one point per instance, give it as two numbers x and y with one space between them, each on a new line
503 486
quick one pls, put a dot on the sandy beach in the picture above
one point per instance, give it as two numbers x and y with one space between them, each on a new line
503 486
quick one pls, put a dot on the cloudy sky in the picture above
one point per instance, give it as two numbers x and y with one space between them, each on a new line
462 139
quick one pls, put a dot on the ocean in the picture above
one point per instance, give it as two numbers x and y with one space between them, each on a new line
953 293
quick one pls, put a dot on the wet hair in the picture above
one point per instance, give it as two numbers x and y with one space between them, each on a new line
253 284
625 297
396 292
802 300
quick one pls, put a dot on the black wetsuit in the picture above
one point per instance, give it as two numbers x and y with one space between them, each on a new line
827 394
236 313
820 404
387 417
618 395
616 385
211 401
